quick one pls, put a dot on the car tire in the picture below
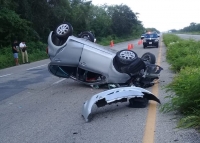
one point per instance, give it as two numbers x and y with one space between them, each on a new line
138 102
157 46
149 57
126 57
63 30
144 46
87 35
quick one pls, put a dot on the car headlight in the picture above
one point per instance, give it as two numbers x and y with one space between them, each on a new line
156 40
144 40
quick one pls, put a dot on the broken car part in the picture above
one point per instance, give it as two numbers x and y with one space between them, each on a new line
122 94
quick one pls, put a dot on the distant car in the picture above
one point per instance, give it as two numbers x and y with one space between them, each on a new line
151 40
142 36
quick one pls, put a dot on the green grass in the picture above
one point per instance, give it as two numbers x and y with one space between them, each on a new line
183 53
185 87
184 97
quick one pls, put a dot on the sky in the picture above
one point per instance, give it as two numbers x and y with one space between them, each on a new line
163 15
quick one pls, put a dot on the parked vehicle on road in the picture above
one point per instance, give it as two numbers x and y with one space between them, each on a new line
85 61
150 40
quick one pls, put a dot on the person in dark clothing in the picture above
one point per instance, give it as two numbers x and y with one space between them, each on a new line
15 50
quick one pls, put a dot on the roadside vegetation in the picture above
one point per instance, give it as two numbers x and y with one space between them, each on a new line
184 90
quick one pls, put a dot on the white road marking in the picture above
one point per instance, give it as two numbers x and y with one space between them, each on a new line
36 67
5 75
59 81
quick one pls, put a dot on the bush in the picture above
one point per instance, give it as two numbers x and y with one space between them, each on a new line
191 120
187 61
185 87
6 58
186 97
183 53
170 38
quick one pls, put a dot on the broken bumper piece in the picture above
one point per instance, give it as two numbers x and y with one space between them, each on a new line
115 95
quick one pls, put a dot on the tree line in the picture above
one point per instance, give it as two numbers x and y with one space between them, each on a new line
193 27
32 20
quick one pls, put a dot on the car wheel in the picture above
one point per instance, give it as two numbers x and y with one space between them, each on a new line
157 46
149 57
87 35
138 102
63 30
144 47
126 56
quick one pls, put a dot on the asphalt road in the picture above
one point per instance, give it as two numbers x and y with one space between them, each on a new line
37 107
186 36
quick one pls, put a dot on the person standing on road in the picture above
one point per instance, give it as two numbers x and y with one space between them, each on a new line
15 50
23 48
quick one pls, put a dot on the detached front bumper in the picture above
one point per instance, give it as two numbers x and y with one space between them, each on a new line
115 95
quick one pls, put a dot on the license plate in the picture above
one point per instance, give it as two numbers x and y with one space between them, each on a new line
150 42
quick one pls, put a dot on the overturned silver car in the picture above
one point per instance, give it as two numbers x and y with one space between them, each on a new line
83 60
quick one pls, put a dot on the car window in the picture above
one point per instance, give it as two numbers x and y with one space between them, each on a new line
151 36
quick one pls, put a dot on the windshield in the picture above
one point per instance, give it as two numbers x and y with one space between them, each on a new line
151 36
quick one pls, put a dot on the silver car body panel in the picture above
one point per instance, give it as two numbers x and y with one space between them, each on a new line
113 95
90 56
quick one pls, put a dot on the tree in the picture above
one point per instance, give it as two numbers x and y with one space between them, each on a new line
192 24
34 19
123 20
193 27
12 27
152 30
99 21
